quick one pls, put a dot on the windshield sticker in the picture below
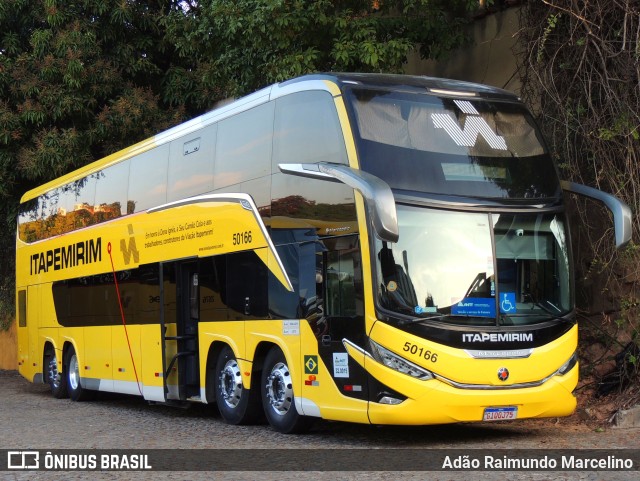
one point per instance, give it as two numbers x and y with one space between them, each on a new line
425 310
340 364
475 306
472 172
392 286
508 302
291 328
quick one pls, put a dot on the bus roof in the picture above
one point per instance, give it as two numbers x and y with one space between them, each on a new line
413 83
333 82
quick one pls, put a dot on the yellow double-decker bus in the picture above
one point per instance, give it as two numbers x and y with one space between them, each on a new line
365 248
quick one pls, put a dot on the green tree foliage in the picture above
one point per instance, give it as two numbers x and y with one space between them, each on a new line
580 66
242 45
78 80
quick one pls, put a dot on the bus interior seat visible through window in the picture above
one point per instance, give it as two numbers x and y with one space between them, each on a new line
403 293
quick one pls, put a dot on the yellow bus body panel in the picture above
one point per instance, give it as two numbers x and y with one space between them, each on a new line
441 404
460 367
435 402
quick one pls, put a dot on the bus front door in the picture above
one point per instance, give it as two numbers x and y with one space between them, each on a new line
180 330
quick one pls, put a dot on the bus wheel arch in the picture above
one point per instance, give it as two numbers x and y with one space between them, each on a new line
278 398
51 374
212 358
237 405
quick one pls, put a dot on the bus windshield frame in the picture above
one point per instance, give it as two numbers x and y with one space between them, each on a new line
475 268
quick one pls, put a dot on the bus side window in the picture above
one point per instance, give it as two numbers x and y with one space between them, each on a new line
22 308
212 279
307 129
243 146
246 293
148 180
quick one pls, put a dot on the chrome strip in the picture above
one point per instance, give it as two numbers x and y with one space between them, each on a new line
521 385
346 342
460 385
453 93
488 354
492 387
311 171
245 201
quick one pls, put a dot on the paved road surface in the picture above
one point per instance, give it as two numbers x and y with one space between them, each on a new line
31 419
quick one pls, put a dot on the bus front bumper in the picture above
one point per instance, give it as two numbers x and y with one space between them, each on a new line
442 403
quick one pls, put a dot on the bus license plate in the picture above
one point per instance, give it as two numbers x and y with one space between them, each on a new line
500 414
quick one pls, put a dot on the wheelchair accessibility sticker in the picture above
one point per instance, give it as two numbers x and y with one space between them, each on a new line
508 302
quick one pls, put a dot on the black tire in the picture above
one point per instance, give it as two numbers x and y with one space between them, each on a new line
57 381
236 404
278 399
72 376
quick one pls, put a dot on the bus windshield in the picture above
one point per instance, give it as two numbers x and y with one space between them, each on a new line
444 267
465 147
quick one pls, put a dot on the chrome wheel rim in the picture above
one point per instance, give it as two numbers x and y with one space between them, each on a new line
231 383
280 389
74 373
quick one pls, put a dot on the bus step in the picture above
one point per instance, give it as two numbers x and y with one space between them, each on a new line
196 399
172 403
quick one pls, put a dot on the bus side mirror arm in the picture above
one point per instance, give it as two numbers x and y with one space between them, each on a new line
621 211
376 192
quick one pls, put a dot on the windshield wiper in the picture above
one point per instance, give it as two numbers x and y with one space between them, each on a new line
432 318
553 315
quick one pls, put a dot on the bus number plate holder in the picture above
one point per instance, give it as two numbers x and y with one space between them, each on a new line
500 413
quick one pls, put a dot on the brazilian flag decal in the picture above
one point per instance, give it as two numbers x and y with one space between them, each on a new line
311 364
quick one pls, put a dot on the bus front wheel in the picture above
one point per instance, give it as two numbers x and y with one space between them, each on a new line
72 375
277 396
236 404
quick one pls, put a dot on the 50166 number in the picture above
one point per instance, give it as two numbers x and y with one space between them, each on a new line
240 238
420 351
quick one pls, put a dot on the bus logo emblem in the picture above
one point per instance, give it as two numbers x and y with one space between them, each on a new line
503 374
474 125
129 249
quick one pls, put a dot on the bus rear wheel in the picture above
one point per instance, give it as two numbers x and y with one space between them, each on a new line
72 372
56 380
236 404
278 400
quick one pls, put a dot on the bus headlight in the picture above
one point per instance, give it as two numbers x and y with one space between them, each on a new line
567 366
397 363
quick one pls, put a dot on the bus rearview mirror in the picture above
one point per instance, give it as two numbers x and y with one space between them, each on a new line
621 211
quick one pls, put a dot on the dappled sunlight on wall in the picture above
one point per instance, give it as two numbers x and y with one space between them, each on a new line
9 348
